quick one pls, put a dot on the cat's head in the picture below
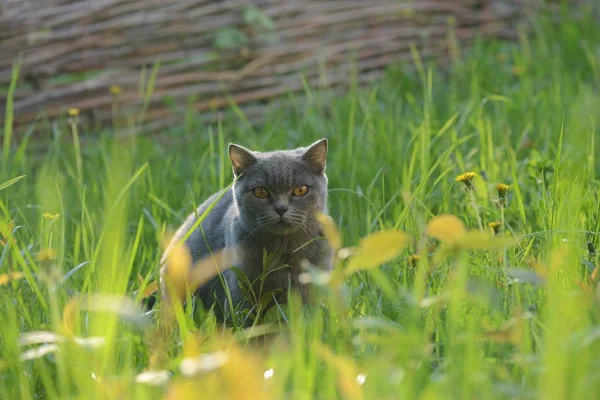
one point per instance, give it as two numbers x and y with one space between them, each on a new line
279 192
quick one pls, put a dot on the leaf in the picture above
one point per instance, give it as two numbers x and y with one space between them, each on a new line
270 260
586 287
495 97
11 182
484 291
540 269
243 282
318 276
177 269
255 17
91 342
280 267
120 306
38 337
187 389
523 275
75 269
209 267
347 373
191 346
379 323
509 332
6 229
476 240
267 297
224 374
446 227
69 315
41 337
438 300
153 378
230 38
39 352
150 290
330 231
9 277
377 249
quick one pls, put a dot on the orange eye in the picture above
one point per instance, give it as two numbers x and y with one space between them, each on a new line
261 192
300 191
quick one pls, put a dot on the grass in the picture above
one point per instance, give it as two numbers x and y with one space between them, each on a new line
465 316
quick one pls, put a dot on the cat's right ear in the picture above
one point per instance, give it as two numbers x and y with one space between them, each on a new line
316 155
241 158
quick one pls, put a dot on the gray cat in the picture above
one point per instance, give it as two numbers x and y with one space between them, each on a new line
271 206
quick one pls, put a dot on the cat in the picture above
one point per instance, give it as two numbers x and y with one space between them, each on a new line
271 206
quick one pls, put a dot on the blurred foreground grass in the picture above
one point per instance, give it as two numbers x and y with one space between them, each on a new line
451 313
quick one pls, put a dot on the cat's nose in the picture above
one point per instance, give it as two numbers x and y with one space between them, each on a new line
281 210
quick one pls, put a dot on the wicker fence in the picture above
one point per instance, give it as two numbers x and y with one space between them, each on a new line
212 52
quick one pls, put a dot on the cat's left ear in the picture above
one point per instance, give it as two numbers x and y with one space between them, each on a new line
316 155
241 158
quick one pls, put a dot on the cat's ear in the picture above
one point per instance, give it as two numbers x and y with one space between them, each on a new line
316 155
241 158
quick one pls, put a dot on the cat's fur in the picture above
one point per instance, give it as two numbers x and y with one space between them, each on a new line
250 225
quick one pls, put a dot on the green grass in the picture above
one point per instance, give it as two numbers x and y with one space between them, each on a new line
461 326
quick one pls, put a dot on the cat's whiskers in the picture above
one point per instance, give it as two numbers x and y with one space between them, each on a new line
257 224
305 230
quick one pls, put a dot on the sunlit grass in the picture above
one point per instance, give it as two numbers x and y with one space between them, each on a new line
465 209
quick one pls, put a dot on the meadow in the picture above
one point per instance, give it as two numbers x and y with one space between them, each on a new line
447 284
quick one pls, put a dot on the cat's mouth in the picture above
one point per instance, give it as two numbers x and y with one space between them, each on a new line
283 221
282 227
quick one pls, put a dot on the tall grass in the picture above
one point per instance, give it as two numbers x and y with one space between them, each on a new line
449 314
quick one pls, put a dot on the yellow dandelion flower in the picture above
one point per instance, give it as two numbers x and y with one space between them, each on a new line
496 225
115 90
73 112
11 276
466 179
46 254
502 189
51 216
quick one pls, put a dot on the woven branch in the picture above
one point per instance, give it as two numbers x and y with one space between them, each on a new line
74 50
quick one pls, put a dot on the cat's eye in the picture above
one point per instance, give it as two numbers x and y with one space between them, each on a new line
300 191
261 192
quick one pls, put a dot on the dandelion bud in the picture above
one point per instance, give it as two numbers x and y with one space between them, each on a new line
591 249
502 189
414 260
496 225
